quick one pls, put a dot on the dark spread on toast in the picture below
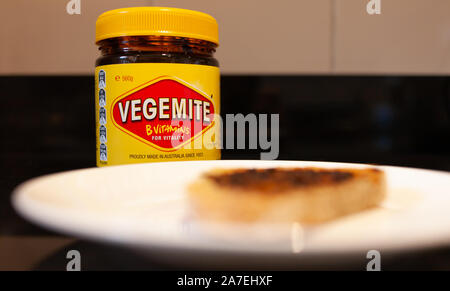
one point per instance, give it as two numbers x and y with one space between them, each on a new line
279 179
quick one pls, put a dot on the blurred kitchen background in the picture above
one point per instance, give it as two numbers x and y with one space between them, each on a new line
348 86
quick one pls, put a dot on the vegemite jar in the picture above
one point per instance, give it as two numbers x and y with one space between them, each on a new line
156 86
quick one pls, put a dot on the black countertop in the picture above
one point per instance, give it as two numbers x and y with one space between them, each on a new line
47 126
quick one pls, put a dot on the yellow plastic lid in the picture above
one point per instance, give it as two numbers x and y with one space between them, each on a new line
138 21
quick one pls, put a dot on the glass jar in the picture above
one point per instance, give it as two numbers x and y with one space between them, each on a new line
157 86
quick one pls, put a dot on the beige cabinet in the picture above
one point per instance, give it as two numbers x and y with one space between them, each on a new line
257 36
408 37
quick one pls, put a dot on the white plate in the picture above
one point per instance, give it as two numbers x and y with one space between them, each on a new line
144 205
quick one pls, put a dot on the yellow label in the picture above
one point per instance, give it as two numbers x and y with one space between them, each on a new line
156 112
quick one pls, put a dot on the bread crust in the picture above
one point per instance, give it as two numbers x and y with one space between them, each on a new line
307 195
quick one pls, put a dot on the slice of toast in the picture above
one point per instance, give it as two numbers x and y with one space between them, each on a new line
306 195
